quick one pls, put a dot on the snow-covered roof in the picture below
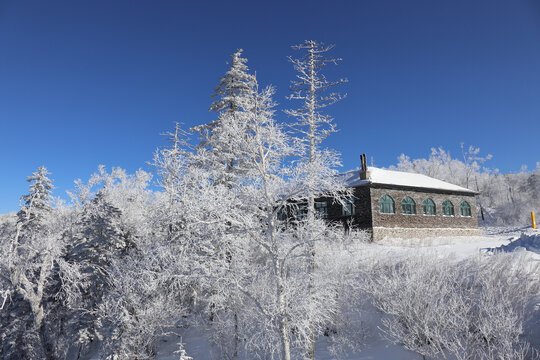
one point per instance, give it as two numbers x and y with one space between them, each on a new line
400 178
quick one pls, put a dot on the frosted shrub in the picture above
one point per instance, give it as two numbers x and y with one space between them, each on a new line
473 309
145 300
358 236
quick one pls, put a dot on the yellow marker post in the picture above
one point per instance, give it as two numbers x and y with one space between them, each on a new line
533 220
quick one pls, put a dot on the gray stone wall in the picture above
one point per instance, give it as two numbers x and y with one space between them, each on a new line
419 220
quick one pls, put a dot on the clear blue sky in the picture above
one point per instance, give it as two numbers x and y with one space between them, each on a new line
84 83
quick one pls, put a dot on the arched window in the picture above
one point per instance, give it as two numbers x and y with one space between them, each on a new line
429 207
465 209
387 205
447 208
408 206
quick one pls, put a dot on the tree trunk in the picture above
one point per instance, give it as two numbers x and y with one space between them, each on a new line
311 345
285 341
311 195
43 342
284 326
236 336
37 310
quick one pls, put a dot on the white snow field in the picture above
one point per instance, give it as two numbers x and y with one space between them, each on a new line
374 345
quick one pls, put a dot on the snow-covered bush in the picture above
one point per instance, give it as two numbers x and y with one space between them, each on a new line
472 309
145 301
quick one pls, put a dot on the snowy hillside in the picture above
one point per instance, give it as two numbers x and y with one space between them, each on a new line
372 342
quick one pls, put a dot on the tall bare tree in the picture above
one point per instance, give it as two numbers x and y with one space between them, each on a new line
314 91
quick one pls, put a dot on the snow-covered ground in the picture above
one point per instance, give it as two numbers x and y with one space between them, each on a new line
494 239
374 344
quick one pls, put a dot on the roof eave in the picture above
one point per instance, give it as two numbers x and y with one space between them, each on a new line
406 187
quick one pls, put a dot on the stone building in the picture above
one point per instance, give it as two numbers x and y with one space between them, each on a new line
403 205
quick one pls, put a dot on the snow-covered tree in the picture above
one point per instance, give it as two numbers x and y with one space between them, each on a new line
111 215
232 88
234 100
172 169
29 268
36 204
257 276
314 91
7 233
34 248
98 242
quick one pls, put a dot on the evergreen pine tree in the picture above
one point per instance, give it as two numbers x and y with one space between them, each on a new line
31 263
220 139
36 204
100 240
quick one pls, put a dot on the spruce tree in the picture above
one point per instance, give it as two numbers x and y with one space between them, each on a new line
31 262
36 204
220 138
99 240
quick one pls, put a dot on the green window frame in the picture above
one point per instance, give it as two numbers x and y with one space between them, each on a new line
465 209
429 207
447 208
348 208
408 206
387 205
321 208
